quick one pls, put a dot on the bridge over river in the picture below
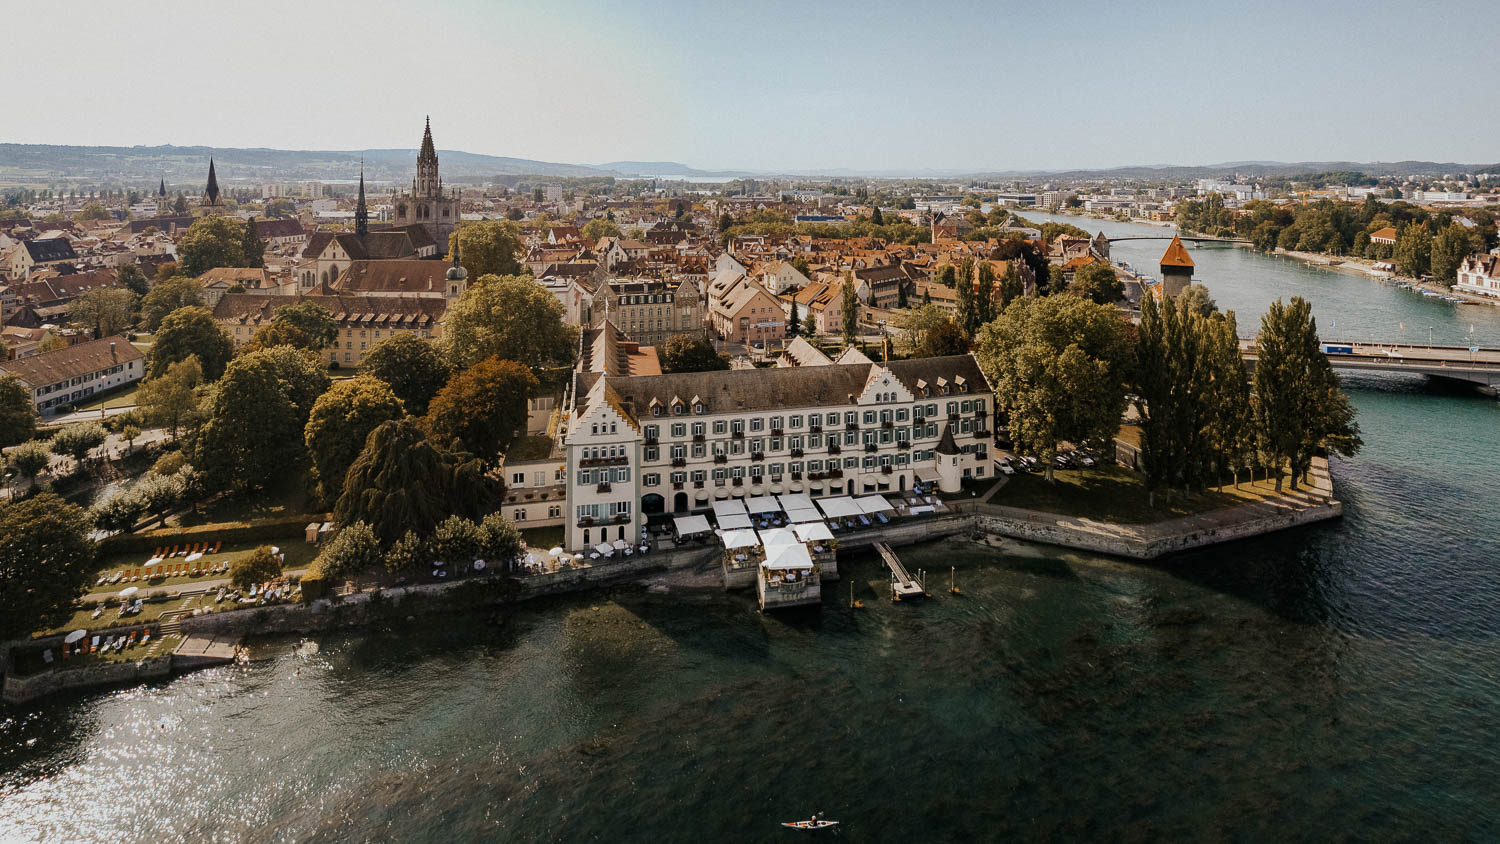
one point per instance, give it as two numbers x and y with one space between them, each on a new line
1467 364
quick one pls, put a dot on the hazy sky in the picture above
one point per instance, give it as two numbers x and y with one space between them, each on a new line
795 85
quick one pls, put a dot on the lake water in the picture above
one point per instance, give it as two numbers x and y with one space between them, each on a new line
1338 681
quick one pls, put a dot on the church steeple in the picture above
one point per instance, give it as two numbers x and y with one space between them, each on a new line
212 191
428 185
361 213
428 153
162 191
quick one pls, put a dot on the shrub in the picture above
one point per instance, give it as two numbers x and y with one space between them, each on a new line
354 550
169 463
258 566
499 540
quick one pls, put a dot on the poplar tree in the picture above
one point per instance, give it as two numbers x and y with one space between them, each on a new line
254 248
984 294
849 310
968 309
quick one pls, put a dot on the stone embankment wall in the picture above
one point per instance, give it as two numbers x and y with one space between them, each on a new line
22 689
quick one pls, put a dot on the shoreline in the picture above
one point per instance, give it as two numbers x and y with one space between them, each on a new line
685 572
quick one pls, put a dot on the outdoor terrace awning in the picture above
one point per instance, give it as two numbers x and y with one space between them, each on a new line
689 525
814 532
795 501
776 537
872 504
762 504
810 514
788 557
740 539
839 507
604 548
734 522
728 508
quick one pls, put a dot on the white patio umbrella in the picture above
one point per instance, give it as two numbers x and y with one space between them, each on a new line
556 552
128 591
153 561
621 545
479 565
75 636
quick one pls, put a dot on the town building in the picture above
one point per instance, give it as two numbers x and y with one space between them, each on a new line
638 445
30 255
1479 275
1176 269
745 312
649 311
66 376
1386 235
363 320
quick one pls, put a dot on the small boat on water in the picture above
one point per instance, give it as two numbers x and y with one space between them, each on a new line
816 823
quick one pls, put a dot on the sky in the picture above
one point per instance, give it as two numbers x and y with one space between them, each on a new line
782 86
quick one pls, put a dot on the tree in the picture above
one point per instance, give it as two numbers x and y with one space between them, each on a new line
251 246
411 366
488 247
407 555
78 439
1413 250
167 296
968 311
984 293
93 211
17 413
947 276
794 317
400 482
1449 249
1058 365
191 332
902 296
106 310
352 551
210 242
30 458
257 416
131 278
1299 405
849 310
340 422
180 206
168 399
929 332
456 540
305 325
482 408
46 561
1098 283
1056 280
509 317
1011 286
130 433
876 218
280 209
499 540
259 566
1196 299
690 353
598 228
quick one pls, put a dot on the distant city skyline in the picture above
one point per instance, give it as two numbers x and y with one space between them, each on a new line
777 87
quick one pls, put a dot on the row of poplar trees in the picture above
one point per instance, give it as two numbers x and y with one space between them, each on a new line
1203 413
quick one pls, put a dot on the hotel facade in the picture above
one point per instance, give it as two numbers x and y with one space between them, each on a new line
645 444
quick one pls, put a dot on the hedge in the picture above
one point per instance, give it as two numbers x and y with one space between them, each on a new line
233 533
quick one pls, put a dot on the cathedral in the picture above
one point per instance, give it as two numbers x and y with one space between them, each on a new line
427 205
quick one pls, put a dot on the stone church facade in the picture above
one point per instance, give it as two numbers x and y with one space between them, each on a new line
426 204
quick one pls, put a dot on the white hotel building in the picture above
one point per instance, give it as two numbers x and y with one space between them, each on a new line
643 444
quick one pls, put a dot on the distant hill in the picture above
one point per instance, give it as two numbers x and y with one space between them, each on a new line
672 168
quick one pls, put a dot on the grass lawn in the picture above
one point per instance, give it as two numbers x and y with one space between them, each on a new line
119 398
543 537
286 496
298 555
1116 494
84 619
31 662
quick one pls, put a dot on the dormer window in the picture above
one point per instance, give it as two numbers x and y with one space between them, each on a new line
698 409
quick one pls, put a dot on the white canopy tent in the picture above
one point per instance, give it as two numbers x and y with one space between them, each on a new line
762 504
736 521
604 548
841 507
872 504
809 514
788 557
776 537
814 532
795 501
731 507
740 539
689 525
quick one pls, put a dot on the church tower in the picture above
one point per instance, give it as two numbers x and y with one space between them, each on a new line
211 192
428 185
361 212
1176 269
162 203
427 205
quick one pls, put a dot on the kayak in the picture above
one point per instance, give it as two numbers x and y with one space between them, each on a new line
809 824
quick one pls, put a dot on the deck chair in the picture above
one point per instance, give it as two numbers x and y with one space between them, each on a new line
217 546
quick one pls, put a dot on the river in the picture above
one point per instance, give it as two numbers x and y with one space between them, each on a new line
1337 681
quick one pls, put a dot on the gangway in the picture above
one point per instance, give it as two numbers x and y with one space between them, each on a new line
903 585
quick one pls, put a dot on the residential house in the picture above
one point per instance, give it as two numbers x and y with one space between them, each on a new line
363 320
66 376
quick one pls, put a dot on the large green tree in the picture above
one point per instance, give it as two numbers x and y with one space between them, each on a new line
251 246
30 458
412 367
257 417
489 247
598 228
167 296
131 278
512 318
1098 283
210 242
341 420
353 551
78 439
1058 365
482 408
400 482
17 412
106 310
304 325
967 316
1452 244
689 353
1414 250
928 331
259 566
46 561
191 332
1299 405
169 399
849 310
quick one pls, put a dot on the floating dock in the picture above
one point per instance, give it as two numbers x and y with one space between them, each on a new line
904 587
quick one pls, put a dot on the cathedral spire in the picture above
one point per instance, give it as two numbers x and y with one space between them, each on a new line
212 191
361 213
163 190
429 152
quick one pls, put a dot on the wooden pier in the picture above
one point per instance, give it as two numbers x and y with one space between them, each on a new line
903 585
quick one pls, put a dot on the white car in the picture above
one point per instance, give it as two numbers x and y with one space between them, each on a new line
1004 468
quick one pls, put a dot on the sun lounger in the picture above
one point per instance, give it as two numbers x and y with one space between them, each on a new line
145 637
94 644
217 546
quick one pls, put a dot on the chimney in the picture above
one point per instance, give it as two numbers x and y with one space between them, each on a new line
112 355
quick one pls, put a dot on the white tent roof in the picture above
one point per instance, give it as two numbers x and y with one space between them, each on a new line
809 514
795 501
788 557
776 537
691 524
875 504
734 521
762 504
839 507
814 532
604 548
729 508
740 539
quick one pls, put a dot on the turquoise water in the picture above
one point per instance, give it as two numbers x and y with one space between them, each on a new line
1338 681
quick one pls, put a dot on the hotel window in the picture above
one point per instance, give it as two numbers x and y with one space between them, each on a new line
794 422
679 477
869 417
738 472
520 514
776 422
651 479
678 452
697 429
833 419
900 414
698 450
720 475
814 465
652 432
698 476
814 440
776 443
851 462
653 453
757 423
554 512
518 479
850 418
737 426
679 430
755 470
